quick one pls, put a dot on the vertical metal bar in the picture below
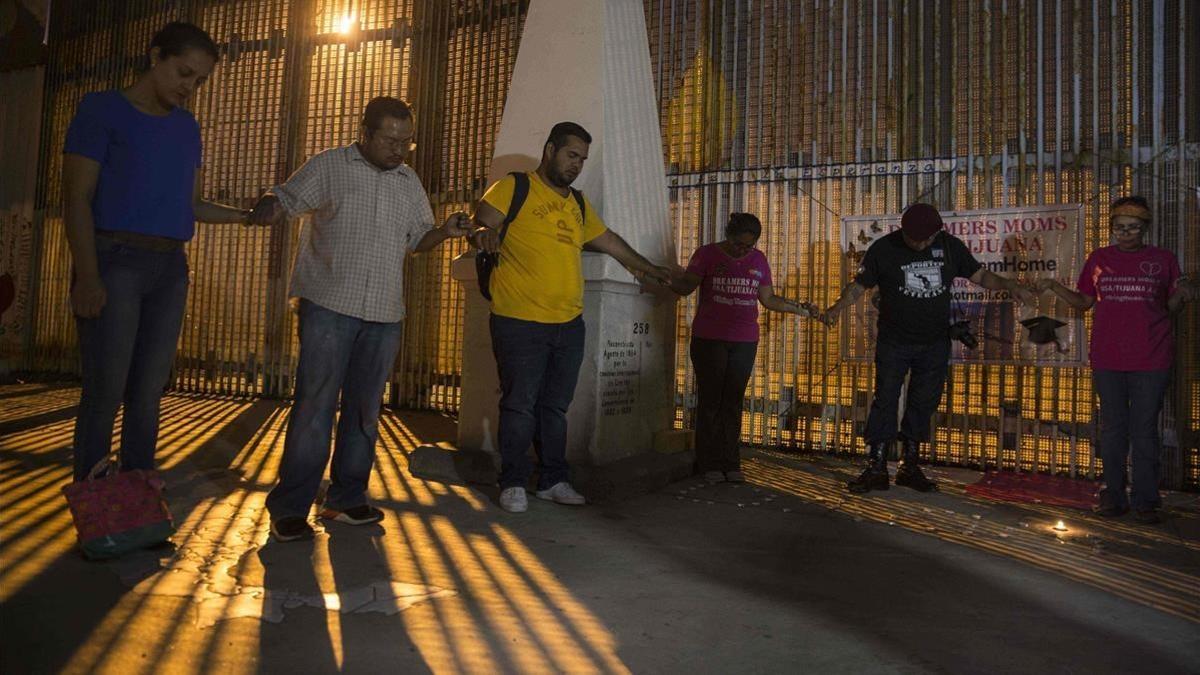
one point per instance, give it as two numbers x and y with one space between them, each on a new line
1041 103
1181 136
1076 194
1117 70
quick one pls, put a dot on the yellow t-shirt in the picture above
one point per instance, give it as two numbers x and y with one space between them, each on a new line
539 275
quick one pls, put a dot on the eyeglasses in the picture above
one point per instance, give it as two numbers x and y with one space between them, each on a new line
397 143
1128 227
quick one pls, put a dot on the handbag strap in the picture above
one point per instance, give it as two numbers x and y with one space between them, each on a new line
102 467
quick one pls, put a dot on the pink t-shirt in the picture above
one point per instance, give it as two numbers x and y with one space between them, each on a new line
728 308
1132 328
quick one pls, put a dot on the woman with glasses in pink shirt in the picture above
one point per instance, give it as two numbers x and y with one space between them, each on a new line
1134 289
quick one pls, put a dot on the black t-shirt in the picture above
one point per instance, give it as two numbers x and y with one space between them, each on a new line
914 286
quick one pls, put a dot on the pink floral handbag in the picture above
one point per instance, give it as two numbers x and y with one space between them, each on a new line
118 511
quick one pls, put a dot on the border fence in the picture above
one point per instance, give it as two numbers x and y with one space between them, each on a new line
801 111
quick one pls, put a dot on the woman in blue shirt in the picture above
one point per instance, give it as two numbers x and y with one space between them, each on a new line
131 192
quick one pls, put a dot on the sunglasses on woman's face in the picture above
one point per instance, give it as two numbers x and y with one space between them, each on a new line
1128 227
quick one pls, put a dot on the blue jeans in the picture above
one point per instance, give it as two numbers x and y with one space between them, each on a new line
1129 405
127 352
538 365
723 370
339 355
926 365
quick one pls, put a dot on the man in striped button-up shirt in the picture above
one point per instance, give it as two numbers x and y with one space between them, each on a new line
369 211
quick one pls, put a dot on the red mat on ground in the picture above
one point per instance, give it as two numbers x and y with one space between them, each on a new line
1033 488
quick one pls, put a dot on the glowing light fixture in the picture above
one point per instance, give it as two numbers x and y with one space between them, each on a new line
347 24
1060 526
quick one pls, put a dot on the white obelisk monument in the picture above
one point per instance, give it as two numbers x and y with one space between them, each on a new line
588 61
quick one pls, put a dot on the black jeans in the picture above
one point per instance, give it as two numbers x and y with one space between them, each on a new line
1129 405
928 365
723 369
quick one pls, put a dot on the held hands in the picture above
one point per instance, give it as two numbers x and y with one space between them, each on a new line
661 274
675 277
658 280
654 279
805 308
88 297
1187 290
485 239
457 225
267 211
1022 295
830 316
1042 285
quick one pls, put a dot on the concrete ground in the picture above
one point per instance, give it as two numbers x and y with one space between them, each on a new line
783 574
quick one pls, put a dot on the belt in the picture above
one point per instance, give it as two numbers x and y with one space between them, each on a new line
145 242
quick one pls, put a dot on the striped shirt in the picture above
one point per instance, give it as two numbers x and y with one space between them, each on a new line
365 221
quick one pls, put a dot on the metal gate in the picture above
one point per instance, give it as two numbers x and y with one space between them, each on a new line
293 80
806 111
766 105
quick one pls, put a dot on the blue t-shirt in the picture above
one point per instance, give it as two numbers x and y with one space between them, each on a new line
147 164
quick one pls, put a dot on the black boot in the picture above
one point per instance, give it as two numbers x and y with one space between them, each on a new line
909 474
875 477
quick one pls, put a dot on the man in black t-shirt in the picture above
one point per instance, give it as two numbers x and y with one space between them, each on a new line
913 268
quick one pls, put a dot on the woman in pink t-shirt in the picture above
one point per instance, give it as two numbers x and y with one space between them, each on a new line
733 278
1134 288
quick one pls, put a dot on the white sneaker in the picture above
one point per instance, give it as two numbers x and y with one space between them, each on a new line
513 500
562 493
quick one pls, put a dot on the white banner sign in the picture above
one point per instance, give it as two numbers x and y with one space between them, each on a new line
1025 243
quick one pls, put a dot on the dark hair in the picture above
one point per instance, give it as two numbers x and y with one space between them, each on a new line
743 223
1136 200
384 106
560 132
177 37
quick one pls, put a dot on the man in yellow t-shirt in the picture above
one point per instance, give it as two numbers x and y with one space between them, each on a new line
537 310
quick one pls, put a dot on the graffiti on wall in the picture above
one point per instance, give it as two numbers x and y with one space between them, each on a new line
16 259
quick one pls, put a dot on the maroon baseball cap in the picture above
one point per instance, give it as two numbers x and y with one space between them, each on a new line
920 221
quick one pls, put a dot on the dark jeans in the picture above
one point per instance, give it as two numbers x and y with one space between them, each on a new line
538 365
723 369
127 351
1129 405
339 355
926 365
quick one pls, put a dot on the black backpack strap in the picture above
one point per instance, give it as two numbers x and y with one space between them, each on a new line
520 193
579 200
